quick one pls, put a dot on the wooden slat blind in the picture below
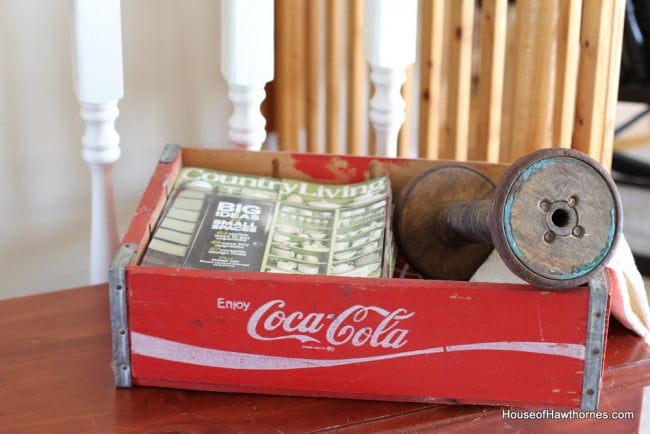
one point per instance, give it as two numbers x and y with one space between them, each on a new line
601 42
531 105
357 76
613 74
455 137
289 93
333 66
566 72
492 81
490 87
431 54
313 32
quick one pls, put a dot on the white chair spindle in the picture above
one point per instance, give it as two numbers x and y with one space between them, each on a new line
99 86
247 65
389 39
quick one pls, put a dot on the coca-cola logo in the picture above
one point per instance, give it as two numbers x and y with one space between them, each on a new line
357 325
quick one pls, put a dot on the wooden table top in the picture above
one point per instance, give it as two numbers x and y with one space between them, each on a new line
55 376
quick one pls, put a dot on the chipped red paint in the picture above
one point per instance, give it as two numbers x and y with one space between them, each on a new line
340 168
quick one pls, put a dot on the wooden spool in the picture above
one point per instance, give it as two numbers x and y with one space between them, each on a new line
554 218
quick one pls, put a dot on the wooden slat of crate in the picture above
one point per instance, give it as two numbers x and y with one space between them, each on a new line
389 339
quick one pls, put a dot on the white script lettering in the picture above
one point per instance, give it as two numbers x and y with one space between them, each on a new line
358 325
223 303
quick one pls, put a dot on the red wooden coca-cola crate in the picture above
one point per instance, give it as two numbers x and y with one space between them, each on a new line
348 337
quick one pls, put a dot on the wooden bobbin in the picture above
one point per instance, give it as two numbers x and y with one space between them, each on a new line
554 218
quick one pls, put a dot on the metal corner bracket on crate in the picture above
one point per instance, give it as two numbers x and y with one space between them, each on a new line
119 318
595 343
170 153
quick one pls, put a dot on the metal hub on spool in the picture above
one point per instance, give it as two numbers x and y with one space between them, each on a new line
556 217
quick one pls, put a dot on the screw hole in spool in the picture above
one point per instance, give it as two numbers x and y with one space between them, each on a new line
560 218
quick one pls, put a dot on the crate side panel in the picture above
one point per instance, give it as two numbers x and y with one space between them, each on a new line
320 167
392 339
151 204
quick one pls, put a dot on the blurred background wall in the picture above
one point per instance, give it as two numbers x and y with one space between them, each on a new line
174 93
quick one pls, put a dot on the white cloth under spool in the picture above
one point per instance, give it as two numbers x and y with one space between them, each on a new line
629 299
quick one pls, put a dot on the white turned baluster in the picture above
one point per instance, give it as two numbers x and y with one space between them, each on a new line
247 65
99 86
387 108
247 124
100 150
389 40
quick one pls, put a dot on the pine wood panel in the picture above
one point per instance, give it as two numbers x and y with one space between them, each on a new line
289 91
491 75
595 40
314 56
333 67
455 142
555 86
566 71
431 58
357 79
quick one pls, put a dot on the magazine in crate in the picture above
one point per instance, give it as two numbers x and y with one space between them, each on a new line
226 221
